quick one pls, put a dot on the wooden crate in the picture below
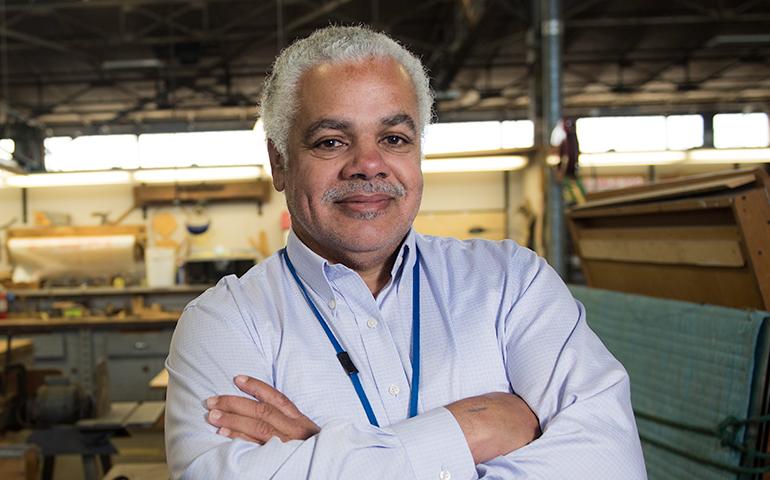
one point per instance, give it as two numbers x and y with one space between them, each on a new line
703 239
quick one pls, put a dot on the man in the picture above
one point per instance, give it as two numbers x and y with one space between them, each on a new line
366 350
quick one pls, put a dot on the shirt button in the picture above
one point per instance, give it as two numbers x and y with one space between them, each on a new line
444 475
371 323
394 390
332 304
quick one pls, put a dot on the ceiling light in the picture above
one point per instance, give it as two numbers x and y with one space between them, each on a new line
132 63
196 174
618 159
33 180
730 155
490 163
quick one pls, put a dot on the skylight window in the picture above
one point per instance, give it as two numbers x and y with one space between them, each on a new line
475 136
684 132
241 147
129 152
621 134
7 147
736 130
93 152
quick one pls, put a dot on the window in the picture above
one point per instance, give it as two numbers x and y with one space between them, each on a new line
92 152
7 147
621 134
736 130
475 136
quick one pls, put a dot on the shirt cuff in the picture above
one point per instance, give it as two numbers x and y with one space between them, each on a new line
436 446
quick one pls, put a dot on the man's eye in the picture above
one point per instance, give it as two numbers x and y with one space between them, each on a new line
328 143
395 140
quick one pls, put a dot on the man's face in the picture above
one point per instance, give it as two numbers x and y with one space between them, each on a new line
353 184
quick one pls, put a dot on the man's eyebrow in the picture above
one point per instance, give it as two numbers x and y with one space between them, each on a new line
399 119
325 123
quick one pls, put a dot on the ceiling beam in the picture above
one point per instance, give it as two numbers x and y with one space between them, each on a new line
48 44
446 66
611 22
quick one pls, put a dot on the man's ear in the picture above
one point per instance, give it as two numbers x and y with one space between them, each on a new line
277 164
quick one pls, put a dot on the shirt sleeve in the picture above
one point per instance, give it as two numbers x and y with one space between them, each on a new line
211 345
578 390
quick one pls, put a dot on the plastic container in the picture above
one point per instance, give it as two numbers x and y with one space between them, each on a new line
160 266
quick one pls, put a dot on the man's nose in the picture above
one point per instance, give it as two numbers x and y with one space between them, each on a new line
366 162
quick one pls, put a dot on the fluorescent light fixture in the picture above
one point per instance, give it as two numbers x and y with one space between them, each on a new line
666 157
196 174
618 159
488 163
132 64
33 180
730 155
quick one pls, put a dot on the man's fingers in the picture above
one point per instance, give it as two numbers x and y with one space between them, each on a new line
287 427
262 391
226 432
244 427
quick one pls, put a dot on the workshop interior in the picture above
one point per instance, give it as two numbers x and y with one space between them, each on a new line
626 141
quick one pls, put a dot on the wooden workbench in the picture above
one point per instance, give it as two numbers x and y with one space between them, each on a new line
22 351
16 326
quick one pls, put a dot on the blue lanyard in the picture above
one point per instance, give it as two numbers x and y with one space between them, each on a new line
344 358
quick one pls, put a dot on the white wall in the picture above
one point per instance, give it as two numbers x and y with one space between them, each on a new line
234 223
463 191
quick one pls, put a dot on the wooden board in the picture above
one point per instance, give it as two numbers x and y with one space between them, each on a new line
698 245
22 351
114 418
19 462
490 225
730 287
678 191
758 174
160 381
126 415
86 231
145 415
752 210
254 190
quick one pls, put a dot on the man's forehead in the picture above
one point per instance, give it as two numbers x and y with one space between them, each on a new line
346 124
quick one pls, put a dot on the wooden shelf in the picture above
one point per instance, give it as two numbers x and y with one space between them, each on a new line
104 291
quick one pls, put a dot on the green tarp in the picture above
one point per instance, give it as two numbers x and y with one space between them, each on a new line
691 367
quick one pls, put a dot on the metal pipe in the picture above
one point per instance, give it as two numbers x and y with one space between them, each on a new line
551 38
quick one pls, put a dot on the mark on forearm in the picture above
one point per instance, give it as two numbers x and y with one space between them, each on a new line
476 409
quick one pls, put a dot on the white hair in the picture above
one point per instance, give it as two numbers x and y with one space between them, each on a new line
332 45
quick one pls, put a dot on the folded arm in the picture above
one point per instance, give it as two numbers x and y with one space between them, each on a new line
578 390
207 353
493 424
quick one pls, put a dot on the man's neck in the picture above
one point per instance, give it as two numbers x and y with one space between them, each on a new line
373 269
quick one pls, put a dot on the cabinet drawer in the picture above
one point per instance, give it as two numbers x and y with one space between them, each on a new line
132 344
49 346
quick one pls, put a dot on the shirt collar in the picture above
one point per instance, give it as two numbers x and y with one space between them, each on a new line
313 269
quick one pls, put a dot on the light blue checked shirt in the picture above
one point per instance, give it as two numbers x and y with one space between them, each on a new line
494 317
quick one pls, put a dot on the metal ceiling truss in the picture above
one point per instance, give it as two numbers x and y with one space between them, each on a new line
119 65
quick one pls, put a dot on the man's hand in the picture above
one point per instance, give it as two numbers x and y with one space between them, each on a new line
272 414
495 424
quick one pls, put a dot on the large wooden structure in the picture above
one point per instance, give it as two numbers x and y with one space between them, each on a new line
703 239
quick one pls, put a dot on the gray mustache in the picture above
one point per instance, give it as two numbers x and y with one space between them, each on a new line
338 193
